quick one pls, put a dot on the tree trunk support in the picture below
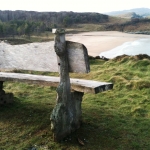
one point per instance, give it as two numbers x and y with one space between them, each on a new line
5 98
66 116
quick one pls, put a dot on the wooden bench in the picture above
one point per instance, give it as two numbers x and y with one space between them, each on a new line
64 57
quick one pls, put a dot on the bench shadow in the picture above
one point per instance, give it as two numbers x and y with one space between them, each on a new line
20 111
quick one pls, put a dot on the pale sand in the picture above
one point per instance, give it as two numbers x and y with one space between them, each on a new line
97 42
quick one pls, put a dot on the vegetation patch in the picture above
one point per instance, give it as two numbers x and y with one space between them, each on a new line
119 117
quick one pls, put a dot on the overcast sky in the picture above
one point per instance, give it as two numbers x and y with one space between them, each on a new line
100 6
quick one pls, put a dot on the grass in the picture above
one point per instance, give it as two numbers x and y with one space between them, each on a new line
113 120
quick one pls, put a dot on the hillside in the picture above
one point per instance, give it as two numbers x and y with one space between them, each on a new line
20 23
119 117
18 27
129 25
57 18
129 15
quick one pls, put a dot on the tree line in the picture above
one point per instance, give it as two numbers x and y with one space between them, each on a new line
27 22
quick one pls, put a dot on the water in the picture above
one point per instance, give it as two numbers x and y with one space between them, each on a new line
141 46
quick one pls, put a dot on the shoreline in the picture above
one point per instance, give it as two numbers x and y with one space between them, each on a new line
97 42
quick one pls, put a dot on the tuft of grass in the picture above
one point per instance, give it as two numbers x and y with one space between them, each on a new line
113 120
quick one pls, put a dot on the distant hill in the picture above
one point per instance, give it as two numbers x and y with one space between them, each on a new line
143 12
129 15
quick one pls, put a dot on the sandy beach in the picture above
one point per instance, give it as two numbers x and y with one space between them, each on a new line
97 42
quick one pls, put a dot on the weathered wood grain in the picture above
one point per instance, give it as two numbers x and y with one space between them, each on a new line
77 57
42 57
86 86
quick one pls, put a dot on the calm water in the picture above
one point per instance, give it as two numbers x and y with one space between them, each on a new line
141 46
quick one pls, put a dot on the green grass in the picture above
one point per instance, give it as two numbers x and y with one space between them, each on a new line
113 120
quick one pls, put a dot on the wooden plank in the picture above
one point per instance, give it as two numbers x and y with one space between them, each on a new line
86 86
77 57
42 57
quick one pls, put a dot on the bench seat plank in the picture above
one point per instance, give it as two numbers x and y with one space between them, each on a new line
86 86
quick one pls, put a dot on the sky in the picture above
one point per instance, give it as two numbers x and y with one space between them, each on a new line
99 6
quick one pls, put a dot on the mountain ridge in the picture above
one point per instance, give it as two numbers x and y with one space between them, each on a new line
144 12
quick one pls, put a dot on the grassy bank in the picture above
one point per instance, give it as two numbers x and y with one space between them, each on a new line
42 37
113 120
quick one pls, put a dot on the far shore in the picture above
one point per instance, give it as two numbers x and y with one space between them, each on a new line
97 42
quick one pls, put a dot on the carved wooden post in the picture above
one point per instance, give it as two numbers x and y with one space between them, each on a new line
66 115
